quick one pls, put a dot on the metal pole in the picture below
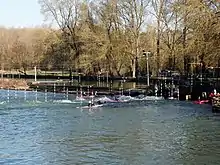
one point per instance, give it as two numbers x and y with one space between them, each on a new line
148 76
79 80
201 72
2 69
35 73
107 79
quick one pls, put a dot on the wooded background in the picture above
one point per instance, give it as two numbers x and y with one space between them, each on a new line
110 36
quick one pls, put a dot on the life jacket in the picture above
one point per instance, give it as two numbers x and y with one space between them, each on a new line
211 95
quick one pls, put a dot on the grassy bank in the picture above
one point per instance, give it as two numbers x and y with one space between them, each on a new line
13 84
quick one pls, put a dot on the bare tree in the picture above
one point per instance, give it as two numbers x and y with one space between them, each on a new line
133 14
171 35
109 16
159 9
66 14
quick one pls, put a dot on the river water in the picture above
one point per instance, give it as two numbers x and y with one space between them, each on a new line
51 129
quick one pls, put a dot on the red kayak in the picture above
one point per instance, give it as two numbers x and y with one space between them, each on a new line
201 101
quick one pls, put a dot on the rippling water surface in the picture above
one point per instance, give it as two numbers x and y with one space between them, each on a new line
38 129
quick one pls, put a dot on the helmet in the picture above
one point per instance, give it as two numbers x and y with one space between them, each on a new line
215 92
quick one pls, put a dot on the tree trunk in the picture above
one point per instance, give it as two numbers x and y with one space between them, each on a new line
158 49
186 71
158 34
186 57
134 68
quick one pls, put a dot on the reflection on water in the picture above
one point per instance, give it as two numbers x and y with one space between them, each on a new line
139 132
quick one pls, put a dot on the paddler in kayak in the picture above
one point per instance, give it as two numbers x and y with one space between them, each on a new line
213 93
90 104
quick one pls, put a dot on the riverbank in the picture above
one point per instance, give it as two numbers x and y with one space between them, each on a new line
18 84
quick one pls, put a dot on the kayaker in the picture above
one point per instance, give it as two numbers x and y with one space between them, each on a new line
90 104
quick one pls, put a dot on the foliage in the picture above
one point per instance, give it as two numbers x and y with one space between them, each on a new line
109 36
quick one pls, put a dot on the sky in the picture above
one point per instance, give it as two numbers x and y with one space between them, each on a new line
20 13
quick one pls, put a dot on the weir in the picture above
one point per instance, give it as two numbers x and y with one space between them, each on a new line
171 86
161 88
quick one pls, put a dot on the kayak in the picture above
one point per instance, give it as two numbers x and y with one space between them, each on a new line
90 107
201 101
108 100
